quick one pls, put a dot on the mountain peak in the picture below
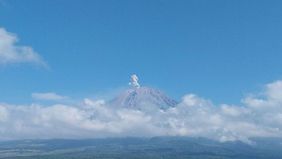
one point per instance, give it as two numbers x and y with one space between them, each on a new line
143 98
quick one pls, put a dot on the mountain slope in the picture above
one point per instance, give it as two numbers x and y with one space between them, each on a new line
143 98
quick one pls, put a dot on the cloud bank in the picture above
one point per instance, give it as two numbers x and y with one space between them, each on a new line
12 53
257 116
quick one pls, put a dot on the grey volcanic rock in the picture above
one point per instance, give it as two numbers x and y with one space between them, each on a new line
143 97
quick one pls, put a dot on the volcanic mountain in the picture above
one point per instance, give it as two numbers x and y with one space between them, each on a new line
143 98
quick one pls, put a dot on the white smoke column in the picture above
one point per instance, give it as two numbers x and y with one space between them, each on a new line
134 81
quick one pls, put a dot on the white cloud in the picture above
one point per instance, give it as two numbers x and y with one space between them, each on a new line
273 91
234 111
3 114
259 116
48 96
10 52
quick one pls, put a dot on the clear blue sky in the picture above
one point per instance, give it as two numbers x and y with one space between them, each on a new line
220 50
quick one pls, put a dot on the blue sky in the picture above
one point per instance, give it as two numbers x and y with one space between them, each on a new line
220 50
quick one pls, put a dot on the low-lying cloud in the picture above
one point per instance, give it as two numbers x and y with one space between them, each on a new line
257 116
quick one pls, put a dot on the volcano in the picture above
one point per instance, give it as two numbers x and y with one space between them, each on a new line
143 98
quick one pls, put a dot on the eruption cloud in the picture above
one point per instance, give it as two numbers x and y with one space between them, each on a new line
134 81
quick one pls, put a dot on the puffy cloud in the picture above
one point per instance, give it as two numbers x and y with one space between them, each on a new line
273 91
12 53
234 111
3 114
258 116
48 96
